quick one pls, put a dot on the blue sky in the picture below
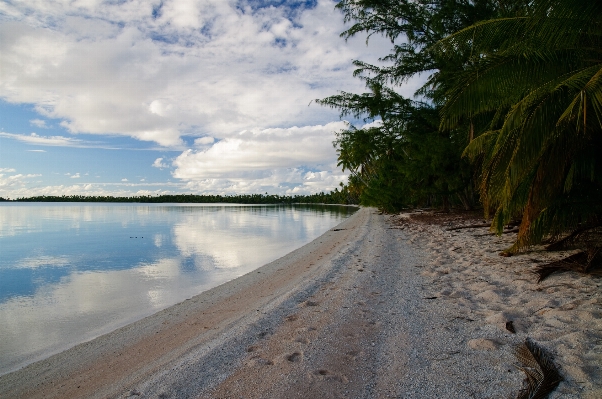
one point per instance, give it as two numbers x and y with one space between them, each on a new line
139 97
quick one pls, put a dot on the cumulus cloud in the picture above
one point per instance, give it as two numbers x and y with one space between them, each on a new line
298 160
181 71
124 179
252 152
160 71
159 164
23 186
204 141
282 182
12 182
75 176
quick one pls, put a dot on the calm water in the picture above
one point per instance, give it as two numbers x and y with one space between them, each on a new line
72 272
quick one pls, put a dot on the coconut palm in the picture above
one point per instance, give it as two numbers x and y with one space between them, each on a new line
535 78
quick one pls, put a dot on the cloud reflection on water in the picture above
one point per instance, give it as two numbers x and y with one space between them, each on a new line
187 250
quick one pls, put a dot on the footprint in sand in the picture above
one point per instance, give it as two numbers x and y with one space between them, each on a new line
258 360
328 375
292 317
263 334
294 357
484 344
352 355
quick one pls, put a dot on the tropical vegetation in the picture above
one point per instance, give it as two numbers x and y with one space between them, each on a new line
334 197
509 119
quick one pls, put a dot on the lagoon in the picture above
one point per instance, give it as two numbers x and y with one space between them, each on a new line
70 272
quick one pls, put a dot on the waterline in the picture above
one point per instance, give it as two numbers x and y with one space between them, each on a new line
71 272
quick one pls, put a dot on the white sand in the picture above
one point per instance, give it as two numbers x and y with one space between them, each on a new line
351 314
563 313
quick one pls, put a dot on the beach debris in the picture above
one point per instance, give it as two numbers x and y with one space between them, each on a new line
585 237
493 234
470 226
510 326
587 262
541 374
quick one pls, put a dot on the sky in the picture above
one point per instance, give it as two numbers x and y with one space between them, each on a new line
139 97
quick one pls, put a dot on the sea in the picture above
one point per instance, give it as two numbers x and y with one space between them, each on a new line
70 272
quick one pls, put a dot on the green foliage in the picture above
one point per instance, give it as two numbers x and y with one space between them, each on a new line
535 79
334 197
406 161
513 87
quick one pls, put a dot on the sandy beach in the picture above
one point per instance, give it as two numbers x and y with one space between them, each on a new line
382 306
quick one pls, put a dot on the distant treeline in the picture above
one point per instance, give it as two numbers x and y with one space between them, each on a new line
334 197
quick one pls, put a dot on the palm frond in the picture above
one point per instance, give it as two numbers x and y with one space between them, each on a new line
541 374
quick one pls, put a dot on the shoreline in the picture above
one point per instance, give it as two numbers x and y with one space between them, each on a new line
31 379
71 297
378 306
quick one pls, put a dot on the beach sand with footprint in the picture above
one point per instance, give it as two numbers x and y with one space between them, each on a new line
467 276
382 306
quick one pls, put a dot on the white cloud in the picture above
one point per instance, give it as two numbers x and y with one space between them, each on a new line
282 182
7 170
195 69
39 123
34 138
23 186
75 176
15 181
159 164
124 179
181 71
252 152
298 160
376 123
35 150
53 141
204 141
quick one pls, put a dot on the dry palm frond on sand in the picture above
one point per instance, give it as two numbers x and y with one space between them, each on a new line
541 374
588 262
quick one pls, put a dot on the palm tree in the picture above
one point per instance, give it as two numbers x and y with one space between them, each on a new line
532 91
